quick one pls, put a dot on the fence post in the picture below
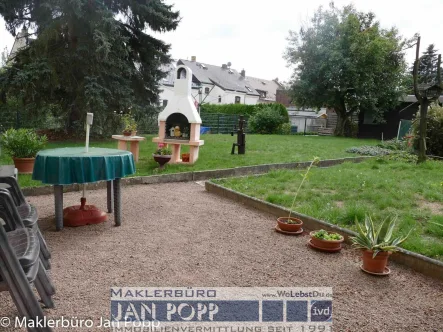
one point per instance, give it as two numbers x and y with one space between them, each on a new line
218 123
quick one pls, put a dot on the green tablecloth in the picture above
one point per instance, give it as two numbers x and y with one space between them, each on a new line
74 165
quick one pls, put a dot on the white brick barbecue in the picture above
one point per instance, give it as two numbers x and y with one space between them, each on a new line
179 122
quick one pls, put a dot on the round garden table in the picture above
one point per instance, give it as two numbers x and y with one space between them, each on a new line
74 165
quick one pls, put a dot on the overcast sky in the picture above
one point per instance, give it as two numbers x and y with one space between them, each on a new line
252 34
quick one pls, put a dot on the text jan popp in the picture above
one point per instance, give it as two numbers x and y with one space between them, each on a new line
65 322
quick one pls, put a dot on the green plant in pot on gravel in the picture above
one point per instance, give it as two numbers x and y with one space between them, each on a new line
377 243
130 125
22 145
326 241
162 156
291 224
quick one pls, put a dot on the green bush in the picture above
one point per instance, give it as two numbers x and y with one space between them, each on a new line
434 132
281 109
394 144
22 143
266 121
284 129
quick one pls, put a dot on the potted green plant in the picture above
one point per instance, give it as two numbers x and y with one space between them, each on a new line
377 244
291 225
326 241
22 145
162 156
130 125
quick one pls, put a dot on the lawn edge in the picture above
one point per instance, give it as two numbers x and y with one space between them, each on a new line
425 265
194 175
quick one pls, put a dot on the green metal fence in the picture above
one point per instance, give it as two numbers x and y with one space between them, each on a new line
221 123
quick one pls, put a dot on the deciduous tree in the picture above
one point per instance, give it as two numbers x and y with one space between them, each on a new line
346 61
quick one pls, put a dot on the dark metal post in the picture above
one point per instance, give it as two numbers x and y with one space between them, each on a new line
117 203
304 131
241 137
58 202
109 196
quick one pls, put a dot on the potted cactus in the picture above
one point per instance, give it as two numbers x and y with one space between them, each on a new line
377 244
162 156
22 145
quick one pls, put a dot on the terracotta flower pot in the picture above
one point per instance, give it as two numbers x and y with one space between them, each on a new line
185 157
327 245
284 226
162 160
377 264
24 165
126 133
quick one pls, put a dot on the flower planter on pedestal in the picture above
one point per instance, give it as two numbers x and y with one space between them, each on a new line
162 160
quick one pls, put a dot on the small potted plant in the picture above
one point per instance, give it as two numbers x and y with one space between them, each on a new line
377 244
130 126
291 225
22 145
162 156
326 241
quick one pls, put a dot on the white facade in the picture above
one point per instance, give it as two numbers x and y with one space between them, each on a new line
216 96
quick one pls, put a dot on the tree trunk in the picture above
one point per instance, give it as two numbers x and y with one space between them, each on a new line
422 131
342 120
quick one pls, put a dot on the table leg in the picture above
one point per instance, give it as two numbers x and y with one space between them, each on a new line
122 145
110 196
117 202
135 150
58 202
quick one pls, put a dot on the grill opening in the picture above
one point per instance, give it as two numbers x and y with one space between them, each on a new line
177 127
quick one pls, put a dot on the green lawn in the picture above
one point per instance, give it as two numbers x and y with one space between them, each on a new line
339 194
216 153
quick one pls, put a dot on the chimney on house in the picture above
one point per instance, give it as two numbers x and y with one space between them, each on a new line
193 58
224 66
243 73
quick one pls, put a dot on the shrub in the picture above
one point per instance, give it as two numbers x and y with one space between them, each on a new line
266 121
284 129
434 132
22 143
280 108
394 144
369 150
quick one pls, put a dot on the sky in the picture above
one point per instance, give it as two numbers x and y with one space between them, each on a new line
252 34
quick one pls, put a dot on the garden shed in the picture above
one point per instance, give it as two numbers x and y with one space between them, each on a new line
308 120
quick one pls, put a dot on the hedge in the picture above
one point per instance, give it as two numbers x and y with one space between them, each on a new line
242 109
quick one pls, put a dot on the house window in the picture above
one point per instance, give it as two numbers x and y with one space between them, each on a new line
219 99
237 99
206 91
165 102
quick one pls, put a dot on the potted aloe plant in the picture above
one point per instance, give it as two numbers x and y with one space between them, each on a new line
22 145
326 241
162 155
291 225
377 244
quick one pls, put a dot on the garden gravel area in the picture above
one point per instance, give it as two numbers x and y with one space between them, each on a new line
179 235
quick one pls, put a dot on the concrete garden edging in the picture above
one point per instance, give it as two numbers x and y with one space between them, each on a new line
194 175
425 265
